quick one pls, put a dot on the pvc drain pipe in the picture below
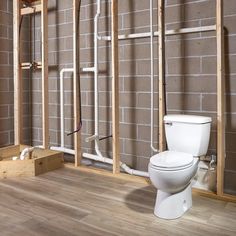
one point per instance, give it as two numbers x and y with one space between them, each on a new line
106 160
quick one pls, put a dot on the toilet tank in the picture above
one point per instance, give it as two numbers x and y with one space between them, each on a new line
187 133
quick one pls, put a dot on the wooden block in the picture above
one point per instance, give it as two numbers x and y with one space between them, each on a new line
42 162
30 1
11 168
31 10
9 151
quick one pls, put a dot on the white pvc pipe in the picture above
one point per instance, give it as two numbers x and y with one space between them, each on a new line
87 69
96 92
156 33
126 168
96 70
63 149
62 103
106 160
95 137
152 77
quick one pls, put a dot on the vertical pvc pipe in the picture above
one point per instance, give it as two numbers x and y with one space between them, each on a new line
96 70
152 76
62 114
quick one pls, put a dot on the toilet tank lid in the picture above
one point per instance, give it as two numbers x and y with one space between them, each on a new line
187 119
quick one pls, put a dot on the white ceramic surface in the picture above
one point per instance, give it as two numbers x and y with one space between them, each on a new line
187 139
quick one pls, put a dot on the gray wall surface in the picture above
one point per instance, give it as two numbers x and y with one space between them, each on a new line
190 68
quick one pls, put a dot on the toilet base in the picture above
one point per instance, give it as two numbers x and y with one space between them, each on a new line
173 205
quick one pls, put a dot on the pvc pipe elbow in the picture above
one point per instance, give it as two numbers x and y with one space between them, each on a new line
154 149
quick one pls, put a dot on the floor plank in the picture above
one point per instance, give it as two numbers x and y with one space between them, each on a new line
72 202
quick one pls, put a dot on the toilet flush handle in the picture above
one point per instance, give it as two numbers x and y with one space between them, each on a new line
169 123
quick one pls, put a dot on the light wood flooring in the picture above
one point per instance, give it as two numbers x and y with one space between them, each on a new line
70 202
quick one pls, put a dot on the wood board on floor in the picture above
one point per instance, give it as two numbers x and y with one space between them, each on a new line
42 161
68 202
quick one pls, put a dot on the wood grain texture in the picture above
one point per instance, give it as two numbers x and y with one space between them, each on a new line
17 74
31 10
42 162
70 202
115 88
220 98
45 91
161 53
76 78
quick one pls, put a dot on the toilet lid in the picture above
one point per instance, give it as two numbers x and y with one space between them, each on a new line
171 160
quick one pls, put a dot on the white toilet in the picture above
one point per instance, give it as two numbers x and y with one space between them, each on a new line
171 171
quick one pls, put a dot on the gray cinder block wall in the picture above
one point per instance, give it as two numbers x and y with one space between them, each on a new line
6 76
190 67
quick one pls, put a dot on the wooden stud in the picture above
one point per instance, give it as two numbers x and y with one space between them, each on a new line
220 98
17 74
115 88
31 10
76 62
45 113
161 50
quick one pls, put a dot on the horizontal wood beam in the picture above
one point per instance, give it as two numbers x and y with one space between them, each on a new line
30 10
29 65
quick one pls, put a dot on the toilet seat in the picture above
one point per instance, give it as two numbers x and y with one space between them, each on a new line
171 160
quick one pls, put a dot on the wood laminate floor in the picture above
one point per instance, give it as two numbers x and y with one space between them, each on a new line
69 202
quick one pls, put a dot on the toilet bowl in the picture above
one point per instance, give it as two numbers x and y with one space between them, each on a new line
171 171
175 177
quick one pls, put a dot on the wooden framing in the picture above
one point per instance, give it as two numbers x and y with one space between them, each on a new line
220 98
17 74
220 93
220 88
76 60
115 88
45 113
18 12
161 51
30 10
